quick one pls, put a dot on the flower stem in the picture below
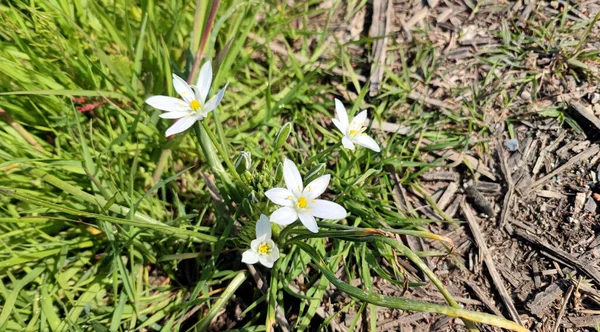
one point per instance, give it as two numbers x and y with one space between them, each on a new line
160 165
221 151
284 232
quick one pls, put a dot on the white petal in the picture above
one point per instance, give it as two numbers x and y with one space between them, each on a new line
249 257
341 113
254 244
327 210
181 125
274 255
173 115
168 104
263 227
340 126
284 216
214 101
204 80
347 143
360 118
280 196
292 177
367 142
265 261
183 89
309 222
316 187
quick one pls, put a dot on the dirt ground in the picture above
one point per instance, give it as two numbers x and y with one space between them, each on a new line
528 245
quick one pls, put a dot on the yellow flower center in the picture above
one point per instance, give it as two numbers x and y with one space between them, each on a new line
195 105
302 202
355 129
264 248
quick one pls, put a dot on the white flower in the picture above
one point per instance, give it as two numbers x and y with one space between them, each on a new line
192 106
353 131
263 249
300 202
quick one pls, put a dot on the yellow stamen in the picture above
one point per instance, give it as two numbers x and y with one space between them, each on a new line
264 248
195 105
302 202
352 132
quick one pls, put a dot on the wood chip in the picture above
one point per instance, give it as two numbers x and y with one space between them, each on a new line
489 262
448 195
589 321
440 176
579 202
550 194
490 188
542 300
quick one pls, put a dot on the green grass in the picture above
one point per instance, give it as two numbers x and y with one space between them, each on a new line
90 240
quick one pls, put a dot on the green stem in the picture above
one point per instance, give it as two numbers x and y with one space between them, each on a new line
283 234
221 151
160 165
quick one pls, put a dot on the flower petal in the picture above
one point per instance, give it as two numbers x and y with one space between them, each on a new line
347 143
204 80
292 177
173 115
274 255
181 125
327 210
213 102
280 196
316 187
169 104
255 243
309 221
265 261
340 126
341 114
360 118
367 142
249 257
263 227
284 216
183 89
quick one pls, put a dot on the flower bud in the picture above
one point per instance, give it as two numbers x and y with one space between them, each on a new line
283 135
243 162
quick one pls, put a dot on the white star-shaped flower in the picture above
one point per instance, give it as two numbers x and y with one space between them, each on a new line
262 249
298 201
353 131
192 106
